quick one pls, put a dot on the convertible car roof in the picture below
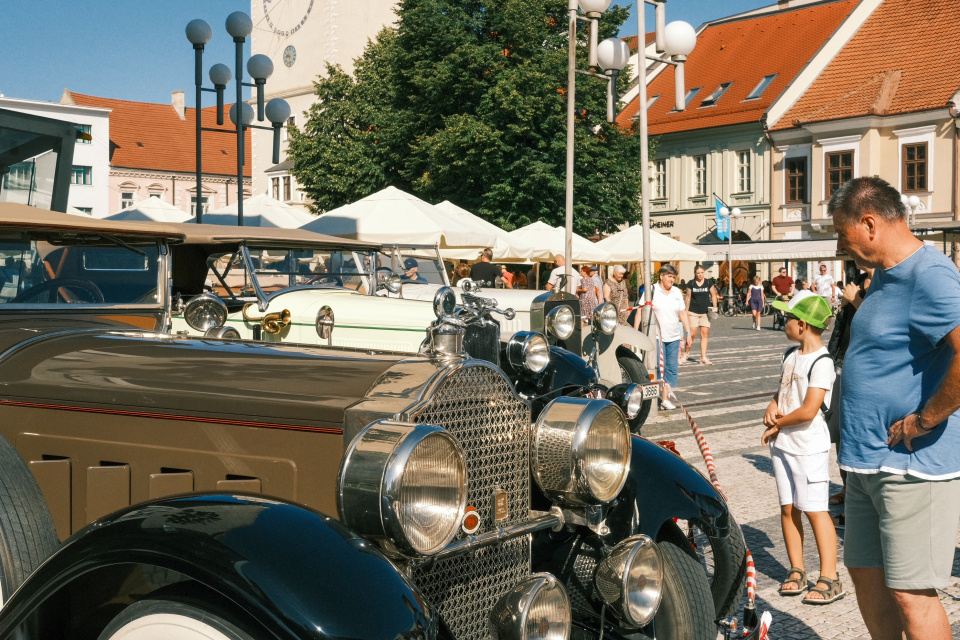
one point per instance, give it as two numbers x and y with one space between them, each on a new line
266 236
21 216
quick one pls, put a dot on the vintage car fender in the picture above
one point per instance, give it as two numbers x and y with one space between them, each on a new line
209 549
625 342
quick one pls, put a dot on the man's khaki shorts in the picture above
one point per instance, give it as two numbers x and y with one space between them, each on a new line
904 524
698 320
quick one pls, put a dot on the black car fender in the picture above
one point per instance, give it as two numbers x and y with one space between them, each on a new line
279 569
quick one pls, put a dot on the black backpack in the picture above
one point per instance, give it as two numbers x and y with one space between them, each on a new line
827 413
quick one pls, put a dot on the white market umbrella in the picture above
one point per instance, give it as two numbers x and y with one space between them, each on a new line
260 211
505 249
550 243
627 246
152 210
394 216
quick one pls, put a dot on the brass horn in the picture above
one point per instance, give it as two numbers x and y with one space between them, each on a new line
272 323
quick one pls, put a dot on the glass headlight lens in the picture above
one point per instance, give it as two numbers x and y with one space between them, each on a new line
581 451
605 318
561 322
528 350
535 609
627 396
405 484
205 312
630 579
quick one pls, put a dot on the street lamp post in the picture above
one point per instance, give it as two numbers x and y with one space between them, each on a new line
674 42
612 55
729 215
913 205
260 67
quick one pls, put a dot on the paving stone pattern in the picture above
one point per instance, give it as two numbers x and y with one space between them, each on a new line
727 400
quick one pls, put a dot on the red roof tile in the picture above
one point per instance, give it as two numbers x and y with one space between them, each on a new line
145 135
742 51
901 60
632 40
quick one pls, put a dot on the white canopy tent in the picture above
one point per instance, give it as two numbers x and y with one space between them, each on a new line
152 210
627 246
505 248
394 216
550 241
260 211
774 251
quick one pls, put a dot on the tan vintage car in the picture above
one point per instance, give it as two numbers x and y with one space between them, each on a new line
157 485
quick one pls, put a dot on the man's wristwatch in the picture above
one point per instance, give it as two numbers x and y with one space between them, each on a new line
920 423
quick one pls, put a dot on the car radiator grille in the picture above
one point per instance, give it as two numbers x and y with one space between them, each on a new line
479 408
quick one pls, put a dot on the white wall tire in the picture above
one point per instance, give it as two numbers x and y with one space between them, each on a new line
170 620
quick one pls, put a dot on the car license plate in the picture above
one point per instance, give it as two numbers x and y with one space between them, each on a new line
651 391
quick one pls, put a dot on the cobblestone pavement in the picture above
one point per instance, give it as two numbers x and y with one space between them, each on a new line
727 400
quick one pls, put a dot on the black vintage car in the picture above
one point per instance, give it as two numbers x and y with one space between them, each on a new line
156 485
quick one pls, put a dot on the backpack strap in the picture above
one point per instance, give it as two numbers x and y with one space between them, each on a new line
823 405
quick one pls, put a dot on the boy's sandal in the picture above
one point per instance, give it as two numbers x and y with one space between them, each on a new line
705 361
832 593
801 582
838 498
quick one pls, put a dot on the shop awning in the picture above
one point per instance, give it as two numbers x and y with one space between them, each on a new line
773 251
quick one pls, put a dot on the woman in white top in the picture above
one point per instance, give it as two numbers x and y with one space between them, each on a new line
671 312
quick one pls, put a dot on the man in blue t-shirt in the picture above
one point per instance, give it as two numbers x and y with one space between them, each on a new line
898 417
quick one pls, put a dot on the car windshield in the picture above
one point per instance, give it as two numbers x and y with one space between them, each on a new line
418 265
271 270
77 269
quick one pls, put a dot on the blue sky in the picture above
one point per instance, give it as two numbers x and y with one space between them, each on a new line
136 49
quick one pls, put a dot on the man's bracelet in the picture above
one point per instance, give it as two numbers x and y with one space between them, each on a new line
920 423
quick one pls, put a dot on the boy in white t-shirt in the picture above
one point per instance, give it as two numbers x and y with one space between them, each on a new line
800 445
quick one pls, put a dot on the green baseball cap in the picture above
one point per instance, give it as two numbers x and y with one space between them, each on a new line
807 306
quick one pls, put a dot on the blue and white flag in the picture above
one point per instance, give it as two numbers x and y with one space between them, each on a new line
723 223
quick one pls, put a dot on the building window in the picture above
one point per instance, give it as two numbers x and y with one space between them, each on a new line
796 180
839 170
699 175
126 199
915 167
691 94
156 195
204 205
743 171
286 189
81 175
652 100
711 99
83 128
275 183
291 122
760 88
660 179
88 210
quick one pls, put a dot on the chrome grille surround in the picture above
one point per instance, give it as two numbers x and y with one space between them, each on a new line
478 406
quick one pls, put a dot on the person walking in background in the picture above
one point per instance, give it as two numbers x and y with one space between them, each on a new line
899 424
755 299
558 273
615 291
484 272
701 294
783 285
823 285
671 313
796 432
589 292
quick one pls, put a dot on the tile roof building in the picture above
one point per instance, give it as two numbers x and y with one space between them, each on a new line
881 106
152 153
718 145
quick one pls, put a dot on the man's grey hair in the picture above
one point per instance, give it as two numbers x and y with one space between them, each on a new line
619 269
667 268
857 196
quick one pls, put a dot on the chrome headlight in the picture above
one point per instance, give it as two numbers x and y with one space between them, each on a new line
535 609
393 283
205 312
445 302
605 318
529 350
561 321
627 396
581 451
222 333
630 579
405 484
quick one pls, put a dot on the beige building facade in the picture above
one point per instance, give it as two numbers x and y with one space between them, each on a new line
301 37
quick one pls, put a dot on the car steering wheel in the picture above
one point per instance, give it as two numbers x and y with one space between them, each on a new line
325 279
74 284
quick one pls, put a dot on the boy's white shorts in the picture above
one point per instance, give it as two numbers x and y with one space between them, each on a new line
803 481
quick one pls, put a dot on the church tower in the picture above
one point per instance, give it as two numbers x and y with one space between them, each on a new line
301 37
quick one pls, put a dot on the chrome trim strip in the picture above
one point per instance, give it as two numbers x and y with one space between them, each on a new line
539 522
59 334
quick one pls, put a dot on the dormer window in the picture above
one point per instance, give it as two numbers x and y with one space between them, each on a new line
691 94
760 88
652 100
711 99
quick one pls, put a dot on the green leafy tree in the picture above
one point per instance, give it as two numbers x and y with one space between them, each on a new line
466 101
